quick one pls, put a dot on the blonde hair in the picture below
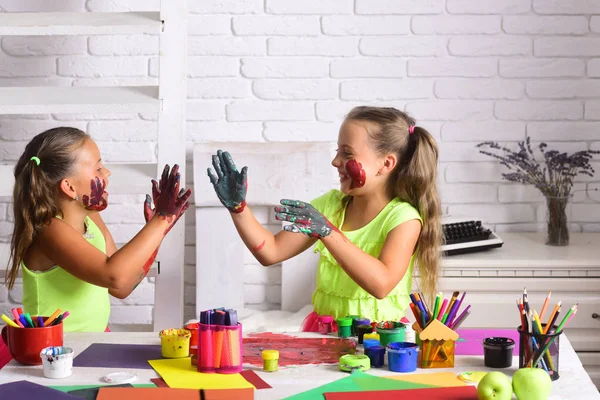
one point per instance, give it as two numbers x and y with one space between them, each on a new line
413 180
35 191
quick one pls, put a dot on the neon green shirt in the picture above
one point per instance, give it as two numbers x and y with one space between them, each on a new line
336 294
88 305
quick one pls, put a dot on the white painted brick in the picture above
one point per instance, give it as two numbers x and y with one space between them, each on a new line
42 6
335 111
541 68
189 293
123 233
595 23
514 193
592 109
225 6
190 236
309 7
433 127
593 189
10 214
475 68
274 294
226 46
284 67
117 81
254 294
456 25
307 46
566 7
538 25
25 130
20 67
591 227
16 293
209 24
131 131
6 230
295 89
276 25
219 88
585 212
3 296
474 172
404 7
88 67
121 6
494 214
593 68
488 6
563 131
257 110
206 67
256 274
301 131
566 46
127 198
142 295
563 89
460 152
441 110
26 116
386 89
538 110
3 212
11 151
468 193
93 117
43 45
216 131
478 89
416 46
200 110
483 131
131 315
490 45
123 45
127 151
368 68
366 25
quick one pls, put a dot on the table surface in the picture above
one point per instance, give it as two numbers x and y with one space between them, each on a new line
573 383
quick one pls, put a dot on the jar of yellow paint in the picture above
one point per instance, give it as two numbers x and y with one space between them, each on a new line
270 360
175 343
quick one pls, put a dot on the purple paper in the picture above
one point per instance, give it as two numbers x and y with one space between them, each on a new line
25 390
470 341
114 355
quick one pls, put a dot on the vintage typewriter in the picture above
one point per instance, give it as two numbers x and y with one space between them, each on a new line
467 236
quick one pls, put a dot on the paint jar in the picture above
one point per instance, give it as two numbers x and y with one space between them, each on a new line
357 322
498 352
361 330
372 335
353 328
220 348
402 356
193 328
175 343
377 356
410 334
351 362
390 332
344 327
370 343
270 360
57 362
325 324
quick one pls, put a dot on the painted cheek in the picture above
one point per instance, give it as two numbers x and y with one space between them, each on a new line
356 173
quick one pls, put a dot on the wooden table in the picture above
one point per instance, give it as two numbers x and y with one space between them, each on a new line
574 382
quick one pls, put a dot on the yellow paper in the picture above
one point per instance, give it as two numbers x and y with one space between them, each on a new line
181 374
440 379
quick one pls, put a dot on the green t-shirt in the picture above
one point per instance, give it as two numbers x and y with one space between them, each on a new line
336 294
88 305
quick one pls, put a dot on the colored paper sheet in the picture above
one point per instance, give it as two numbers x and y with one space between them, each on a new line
115 355
25 390
248 375
92 393
444 393
470 341
162 393
440 379
70 388
357 382
159 382
180 373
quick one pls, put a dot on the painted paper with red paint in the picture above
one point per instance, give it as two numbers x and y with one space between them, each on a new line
97 200
296 351
357 174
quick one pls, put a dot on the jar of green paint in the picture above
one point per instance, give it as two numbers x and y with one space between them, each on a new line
344 327
390 332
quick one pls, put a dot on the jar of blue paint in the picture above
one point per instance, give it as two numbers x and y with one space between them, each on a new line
377 356
402 356
370 343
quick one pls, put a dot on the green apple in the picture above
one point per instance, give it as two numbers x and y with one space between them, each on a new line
532 384
495 385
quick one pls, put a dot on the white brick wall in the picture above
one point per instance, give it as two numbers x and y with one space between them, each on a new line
288 71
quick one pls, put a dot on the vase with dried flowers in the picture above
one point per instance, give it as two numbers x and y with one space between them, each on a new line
553 177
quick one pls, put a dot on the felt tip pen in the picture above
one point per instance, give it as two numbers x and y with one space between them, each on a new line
23 321
15 314
9 321
29 321
40 322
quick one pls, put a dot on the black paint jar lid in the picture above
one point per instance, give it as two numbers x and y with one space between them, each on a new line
493 343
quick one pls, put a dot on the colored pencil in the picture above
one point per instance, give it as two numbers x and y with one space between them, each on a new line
442 309
558 331
545 305
553 318
459 320
436 305
455 311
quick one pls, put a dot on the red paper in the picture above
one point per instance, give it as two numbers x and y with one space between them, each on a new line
443 393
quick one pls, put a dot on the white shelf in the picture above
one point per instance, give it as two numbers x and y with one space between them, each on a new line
78 100
74 23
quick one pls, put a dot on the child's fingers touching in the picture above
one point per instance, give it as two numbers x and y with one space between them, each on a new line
292 228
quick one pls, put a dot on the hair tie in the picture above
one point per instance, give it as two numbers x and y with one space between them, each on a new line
411 129
37 160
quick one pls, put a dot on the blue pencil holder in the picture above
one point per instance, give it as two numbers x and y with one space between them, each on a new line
402 356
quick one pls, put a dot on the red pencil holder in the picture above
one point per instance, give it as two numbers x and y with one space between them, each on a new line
219 348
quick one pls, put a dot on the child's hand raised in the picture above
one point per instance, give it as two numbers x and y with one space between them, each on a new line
304 217
170 201
230 185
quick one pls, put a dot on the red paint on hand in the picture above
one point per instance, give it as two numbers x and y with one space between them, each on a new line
260 246
357 174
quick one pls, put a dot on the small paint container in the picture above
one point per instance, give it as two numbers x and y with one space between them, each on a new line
193 328
377 356
344 327
498 352
390 332
175 343
370 343
57 362
194 355
402 356
351 362
372 335
361 330
353 318
270 360
325 324
357 322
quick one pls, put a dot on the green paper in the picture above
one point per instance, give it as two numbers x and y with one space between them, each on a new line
357 381
78 387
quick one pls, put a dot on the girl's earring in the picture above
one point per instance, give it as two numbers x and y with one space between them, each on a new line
76 198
